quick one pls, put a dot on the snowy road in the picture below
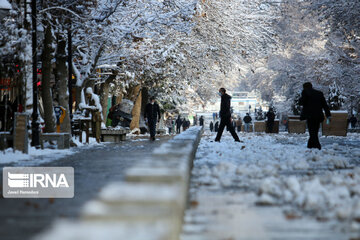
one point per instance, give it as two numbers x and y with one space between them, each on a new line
273 187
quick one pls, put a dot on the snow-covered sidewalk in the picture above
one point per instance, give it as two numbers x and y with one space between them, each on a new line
278 170
41 156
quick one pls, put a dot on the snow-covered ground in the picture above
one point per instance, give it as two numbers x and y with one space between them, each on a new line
50 153
40 156
318 187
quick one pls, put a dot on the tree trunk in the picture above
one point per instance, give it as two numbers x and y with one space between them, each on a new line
46 58
136 111
62 75
104 95
77 96
119 98
144 99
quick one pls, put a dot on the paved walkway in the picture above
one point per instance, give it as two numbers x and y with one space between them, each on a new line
20 219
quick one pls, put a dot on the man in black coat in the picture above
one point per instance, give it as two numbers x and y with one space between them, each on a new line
353 121
216 127
178 124
270 115
201 120
313 103
151 116
225 115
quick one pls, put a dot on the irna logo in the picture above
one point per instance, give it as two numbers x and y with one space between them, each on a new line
38 182
34 180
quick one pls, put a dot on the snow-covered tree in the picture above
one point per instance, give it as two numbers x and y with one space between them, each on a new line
335 97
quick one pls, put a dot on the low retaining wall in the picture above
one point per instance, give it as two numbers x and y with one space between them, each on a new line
149 205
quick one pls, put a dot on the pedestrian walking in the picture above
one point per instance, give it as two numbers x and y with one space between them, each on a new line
247 121
270 115
286 124
353 121
169 124
313 103
151 116
201 120
225 116
184 124
216 127
178 124
211 126
195 120
238 124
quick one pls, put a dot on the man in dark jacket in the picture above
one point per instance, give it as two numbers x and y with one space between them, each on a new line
151 116
270 115
313 103
201 120
353 121
211 126
247 120
178 124
225 115
216 127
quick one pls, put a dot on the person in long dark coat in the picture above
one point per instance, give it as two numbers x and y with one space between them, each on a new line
151 116
270 115
178 124
201 120
353 121
225 115
211 126
184 124
313 102
216 128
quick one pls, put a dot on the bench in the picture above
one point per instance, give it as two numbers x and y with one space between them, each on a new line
354 130
62 139
79 126
114 135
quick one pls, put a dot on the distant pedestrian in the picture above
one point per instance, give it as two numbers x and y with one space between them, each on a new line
270 115
195 120
201 120
169 124
313 103
225 115
353 121
238 124
151 116
178 124
247 121
216 128
184 124
211 126
286 124
214 116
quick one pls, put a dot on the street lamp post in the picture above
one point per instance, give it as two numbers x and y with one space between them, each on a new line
70 74
34 124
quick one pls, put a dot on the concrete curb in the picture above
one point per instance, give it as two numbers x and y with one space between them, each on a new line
150 204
